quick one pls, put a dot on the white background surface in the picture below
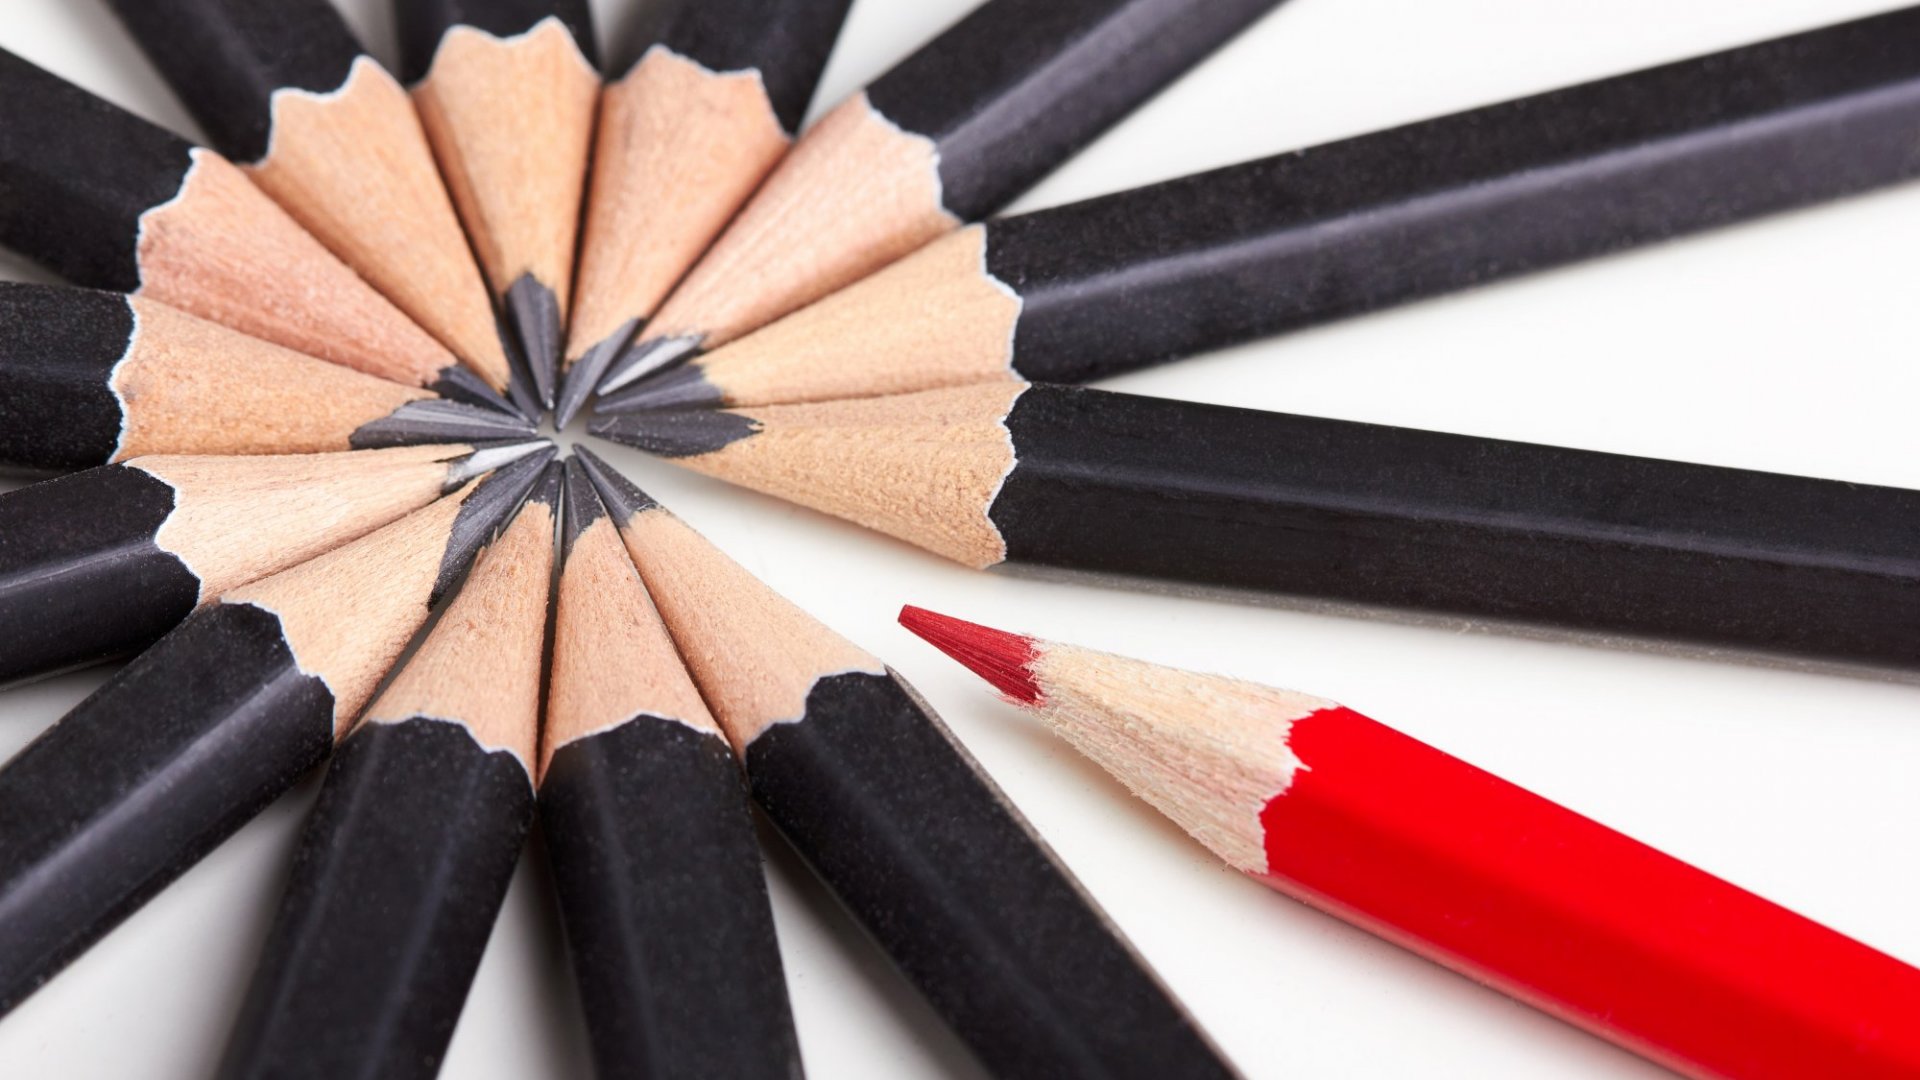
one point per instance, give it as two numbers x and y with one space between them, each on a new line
1786 345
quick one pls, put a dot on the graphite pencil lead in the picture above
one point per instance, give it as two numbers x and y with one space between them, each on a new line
683 387
461 384
438 422
579 381
679 433
486 508
523 391
485 459
622 497
538 323
647 356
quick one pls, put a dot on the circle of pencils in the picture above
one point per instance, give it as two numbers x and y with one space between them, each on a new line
290 400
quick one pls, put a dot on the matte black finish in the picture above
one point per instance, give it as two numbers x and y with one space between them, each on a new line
398 877
422 23
786 41
58 348
226 58
943 872
678 434
81 579
1016 87
76 173
143 779
1162 272
1463 525
665 905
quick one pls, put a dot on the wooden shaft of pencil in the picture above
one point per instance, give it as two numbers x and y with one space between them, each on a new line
285 89
100 563
1334 510
507 92
654 856
404 862
886 806
110 201
1079 292
195 736
951 134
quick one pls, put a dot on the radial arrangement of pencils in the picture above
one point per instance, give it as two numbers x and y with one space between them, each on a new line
286 417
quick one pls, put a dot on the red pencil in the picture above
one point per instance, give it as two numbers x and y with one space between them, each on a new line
1468 870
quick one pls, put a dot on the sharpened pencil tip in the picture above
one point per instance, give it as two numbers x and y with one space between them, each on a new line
491 456
684 387
533 313
680 433
622 498
650 356
487 509
583 505
1001 658
576 386
460 384
438 421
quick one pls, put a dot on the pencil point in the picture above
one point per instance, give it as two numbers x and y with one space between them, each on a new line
438 421
684 387
485 510
520 389
678 434
461 384
622 498
488 457
1001 658
533 313
648 357
583 505
576 386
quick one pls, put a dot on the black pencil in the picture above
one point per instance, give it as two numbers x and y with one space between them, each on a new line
873 791
507 90
713 95
1335 510
107 200
406 856
100 563
950 135
1120 282
88 378
650 838
283 88
199 733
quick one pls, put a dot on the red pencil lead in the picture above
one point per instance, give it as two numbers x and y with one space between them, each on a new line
997 656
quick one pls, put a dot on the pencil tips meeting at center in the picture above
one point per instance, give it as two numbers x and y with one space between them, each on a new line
677 433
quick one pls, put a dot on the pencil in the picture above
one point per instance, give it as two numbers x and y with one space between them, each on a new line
402 865
1102 287
199 733
99 564
285 89
951 134
650 839
712 99
1334 510
507 90
89 378
873 791
1466 869
107 200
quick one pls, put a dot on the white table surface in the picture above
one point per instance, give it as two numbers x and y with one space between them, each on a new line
1785 345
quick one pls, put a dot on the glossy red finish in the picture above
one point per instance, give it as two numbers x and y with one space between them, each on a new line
1574 918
